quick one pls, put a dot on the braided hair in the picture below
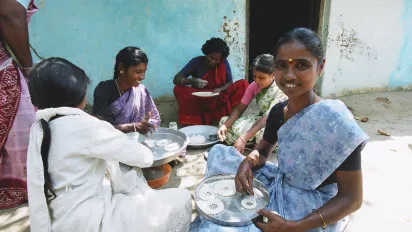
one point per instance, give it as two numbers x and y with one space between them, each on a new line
55 82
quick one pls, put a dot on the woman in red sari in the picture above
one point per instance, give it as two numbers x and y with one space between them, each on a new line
16 111
210 73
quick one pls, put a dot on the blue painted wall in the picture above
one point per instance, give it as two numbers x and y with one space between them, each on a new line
91 32
402 77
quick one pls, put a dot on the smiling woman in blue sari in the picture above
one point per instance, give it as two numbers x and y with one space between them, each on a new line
317 182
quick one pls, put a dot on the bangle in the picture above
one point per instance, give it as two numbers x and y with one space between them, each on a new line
134 126
323 220
254 163
183 80
242 139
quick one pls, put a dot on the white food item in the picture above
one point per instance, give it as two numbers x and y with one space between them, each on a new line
207 193
162 142
225 188
249 203
257 193
211 207
150 143
265 219
197 139
172 147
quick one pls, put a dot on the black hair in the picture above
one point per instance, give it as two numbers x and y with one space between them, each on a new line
129 56
305 36
55 82
216 45
264 63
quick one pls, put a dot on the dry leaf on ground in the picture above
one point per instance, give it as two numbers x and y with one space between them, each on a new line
365 119
384 133
383 100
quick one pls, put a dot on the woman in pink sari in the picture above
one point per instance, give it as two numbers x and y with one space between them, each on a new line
16 111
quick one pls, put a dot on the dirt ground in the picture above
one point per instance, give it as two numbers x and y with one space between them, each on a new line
386 164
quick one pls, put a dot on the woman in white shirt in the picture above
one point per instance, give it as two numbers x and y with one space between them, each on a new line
69 153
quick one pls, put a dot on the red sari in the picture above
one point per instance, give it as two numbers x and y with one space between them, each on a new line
205 111
16 117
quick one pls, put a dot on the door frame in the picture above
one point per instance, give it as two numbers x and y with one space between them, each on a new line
323 31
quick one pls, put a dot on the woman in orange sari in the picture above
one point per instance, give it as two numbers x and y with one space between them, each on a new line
210 73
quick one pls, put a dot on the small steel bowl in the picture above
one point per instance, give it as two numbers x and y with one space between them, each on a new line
213 137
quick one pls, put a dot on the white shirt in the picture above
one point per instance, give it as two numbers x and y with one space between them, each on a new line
80 147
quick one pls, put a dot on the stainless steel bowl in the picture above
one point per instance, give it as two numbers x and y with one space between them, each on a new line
205 131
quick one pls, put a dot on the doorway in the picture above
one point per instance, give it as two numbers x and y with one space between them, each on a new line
269 20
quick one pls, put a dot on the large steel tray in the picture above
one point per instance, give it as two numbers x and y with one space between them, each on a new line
234 214
160 155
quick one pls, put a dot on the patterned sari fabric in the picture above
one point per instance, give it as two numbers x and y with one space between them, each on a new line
312 145
132 107
16 118
265 99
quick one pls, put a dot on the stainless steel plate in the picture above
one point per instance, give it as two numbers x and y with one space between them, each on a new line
205 94
160 155
201 130
233 214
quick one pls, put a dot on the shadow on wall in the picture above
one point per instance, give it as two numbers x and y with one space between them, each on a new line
167 107
349 92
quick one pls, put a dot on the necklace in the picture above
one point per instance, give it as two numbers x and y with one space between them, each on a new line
118 89
285 111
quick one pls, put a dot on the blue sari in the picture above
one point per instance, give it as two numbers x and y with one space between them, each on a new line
311 146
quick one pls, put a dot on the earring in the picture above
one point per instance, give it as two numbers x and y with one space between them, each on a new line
121 72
